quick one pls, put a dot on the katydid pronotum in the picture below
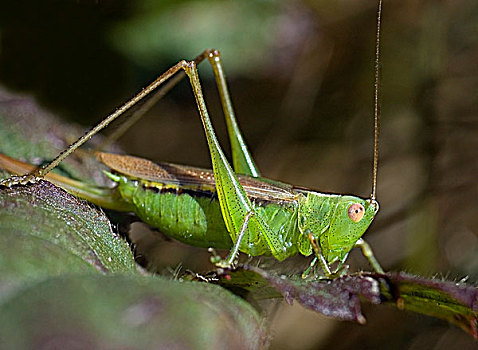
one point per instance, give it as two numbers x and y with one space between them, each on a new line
231 206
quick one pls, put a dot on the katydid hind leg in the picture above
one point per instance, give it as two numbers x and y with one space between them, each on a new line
229 261
242 160
235 204
249 168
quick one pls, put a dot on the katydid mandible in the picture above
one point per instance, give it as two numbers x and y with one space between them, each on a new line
231 206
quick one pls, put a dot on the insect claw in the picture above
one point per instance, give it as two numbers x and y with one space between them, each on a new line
343 270
306 273
224 264
215 258
218 261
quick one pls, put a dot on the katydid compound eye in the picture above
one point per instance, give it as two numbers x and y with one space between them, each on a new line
356 212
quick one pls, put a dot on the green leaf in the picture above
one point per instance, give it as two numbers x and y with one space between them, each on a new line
454 302
127 312
340 298
59 220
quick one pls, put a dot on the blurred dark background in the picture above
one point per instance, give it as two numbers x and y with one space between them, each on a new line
301 77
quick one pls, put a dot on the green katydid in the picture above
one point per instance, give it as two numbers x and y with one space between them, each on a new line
231 206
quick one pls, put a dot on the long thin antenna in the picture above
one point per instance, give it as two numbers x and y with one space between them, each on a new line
376 102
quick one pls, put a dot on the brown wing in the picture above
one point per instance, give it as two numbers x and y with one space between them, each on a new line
192 177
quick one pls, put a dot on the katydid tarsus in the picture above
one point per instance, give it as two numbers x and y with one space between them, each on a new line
231 206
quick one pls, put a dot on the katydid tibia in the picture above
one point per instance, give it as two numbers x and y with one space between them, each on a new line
231 206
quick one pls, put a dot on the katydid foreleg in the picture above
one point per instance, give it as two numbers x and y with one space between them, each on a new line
369 255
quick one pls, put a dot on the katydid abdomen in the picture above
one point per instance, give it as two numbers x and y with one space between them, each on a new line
182 203
193 216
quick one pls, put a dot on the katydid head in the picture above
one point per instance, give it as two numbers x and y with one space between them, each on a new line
334 223
349 221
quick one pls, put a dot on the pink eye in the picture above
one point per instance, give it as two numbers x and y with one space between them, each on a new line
356 212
